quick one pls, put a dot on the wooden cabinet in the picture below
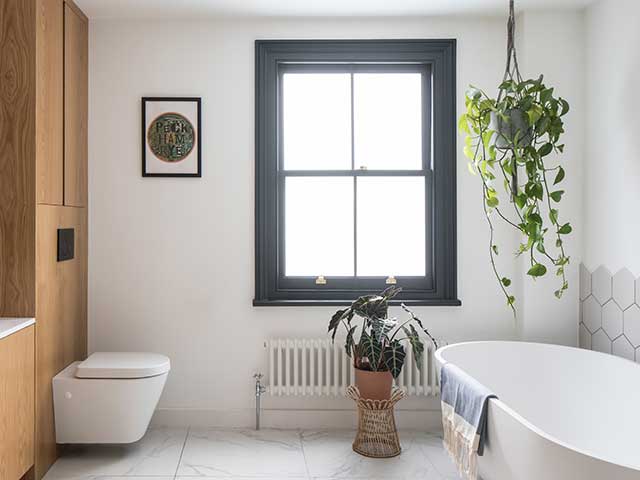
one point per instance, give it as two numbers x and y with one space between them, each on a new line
17 158
43 187
61 315
49 101
61 103
16 407
75 107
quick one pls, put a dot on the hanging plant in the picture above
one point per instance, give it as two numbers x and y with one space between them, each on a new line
508 140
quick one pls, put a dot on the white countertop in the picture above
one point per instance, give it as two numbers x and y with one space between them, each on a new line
13 325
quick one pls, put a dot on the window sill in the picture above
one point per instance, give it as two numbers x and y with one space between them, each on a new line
337 303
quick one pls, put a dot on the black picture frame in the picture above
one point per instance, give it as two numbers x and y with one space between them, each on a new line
198 128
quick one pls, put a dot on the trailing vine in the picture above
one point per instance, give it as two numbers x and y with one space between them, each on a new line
518 131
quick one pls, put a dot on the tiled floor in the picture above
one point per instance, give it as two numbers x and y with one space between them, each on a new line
180 453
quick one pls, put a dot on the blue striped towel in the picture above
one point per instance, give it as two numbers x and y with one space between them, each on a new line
464 418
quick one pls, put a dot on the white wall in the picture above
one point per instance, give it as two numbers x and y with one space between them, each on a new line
612 178
552 43
171 260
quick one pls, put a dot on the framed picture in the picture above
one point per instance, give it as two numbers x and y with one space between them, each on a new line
171 137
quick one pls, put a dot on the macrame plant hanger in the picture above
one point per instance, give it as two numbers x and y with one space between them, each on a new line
512 72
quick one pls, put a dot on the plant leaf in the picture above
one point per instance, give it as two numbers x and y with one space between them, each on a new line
545 150
380 327
349 342
463 126
416 344
393 357
371 350
557 195
521 200
565 229
334 323
538 270
559 176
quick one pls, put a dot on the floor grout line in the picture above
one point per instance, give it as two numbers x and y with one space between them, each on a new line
304 455
186 437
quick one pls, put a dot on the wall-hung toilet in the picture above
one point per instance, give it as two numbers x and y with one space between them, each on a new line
108 398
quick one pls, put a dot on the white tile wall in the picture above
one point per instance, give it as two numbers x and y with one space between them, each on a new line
610 312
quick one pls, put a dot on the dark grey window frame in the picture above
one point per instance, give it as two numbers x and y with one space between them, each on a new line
435 57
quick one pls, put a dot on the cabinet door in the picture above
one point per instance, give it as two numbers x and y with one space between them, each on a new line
75 107
16 407
61 315
49 101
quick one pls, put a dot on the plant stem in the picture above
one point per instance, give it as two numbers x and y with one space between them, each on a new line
491 253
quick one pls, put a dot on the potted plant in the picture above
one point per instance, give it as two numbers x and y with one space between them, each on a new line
509 141
378 354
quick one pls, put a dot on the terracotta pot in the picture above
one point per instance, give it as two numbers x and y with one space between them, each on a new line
374 385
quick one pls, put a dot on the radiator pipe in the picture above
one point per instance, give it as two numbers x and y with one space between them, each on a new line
260 389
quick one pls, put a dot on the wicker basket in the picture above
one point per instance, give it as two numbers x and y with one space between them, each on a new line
377 435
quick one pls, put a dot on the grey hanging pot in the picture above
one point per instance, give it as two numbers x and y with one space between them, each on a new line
513 132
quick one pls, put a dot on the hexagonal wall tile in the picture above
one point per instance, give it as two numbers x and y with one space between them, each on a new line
638 291
600 342
584 337
623 288
632 325
585 282
612 319
622 348
591 314
601 285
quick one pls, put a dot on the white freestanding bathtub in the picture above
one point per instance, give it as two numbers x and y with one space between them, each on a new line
562 413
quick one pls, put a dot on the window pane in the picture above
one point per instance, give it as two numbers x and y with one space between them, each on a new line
391 226
388 121
319 226
317 121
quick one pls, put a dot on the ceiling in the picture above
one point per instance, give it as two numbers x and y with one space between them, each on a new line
210 8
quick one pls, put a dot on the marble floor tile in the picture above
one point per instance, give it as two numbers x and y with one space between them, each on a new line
237 453
329 456
157 454
431 445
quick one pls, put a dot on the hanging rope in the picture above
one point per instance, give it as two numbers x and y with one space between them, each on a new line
512 71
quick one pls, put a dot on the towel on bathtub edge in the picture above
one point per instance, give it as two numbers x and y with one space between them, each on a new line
464 418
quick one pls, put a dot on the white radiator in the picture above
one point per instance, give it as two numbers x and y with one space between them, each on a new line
318 367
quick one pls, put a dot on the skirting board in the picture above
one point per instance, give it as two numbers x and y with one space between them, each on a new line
422 420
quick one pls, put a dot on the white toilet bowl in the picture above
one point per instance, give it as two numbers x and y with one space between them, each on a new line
108 398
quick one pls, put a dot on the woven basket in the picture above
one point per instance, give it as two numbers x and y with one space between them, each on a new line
377 435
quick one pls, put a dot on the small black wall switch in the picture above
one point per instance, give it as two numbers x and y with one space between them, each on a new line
66 244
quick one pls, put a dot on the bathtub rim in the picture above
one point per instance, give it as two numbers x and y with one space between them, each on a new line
440 361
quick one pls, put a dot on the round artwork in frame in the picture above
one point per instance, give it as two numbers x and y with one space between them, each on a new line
171 137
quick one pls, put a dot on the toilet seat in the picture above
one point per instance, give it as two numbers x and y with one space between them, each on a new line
118 365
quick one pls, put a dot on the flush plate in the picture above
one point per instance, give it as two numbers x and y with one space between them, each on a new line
66 244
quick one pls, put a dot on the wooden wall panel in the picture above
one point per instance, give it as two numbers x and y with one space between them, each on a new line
61 316
17 158
75 107
16 408
49 101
